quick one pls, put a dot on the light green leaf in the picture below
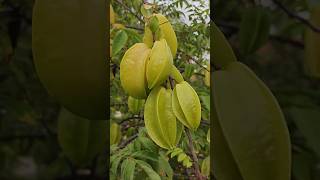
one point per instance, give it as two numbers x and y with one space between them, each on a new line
127 169
176 152
181 157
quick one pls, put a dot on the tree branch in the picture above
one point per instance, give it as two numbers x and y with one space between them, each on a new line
194 156
127 141
294 43
129 9
129 118
136 28
297 17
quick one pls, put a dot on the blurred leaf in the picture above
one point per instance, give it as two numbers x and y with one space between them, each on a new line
302 166
308 123
254 29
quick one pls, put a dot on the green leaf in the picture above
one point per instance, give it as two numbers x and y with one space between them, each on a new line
145 155
148 169
254 29
181 157
206 101
115 164
249 116
127 169
147 143
185 162
146 10
222 52
154 24
188 70
133 35
176 152
164 165
119 41
205 166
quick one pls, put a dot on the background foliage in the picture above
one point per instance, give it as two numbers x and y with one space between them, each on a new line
277 57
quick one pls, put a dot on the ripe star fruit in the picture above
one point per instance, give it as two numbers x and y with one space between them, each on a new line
133 69
160 64
69 50
186 105
159 118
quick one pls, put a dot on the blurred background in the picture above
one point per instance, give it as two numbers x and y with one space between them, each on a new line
270 37
29 148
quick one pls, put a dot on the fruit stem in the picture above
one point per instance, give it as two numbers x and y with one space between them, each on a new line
194 156
171 82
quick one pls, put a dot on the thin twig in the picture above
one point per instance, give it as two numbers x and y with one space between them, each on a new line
297 17
127 141
192 59
205 122
133 13
133 27
295 43
194 156
129 118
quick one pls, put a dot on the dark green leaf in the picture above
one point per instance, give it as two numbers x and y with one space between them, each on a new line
254 29
148 169
119 41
